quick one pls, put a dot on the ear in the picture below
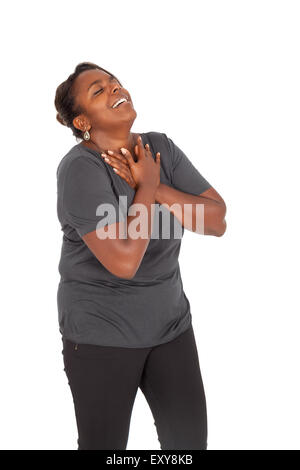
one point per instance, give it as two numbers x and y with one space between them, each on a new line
80 123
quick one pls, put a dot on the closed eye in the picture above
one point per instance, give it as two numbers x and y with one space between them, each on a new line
98 91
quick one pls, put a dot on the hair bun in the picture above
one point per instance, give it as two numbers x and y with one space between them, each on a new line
60 119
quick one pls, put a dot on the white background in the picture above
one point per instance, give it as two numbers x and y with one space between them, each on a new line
221 78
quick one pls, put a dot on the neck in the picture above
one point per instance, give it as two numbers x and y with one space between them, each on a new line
101 142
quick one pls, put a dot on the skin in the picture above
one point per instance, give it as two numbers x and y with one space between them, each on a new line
109 128
214 205
110 132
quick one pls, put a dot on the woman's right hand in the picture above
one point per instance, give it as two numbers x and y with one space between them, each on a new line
145 171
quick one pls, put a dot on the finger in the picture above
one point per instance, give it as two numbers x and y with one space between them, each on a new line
115 161
157 158
116 155
132 182
148 150
122 169
123 175
128 156
113 155
141 150
126 171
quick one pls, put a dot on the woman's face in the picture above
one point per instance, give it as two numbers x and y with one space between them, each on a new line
96 92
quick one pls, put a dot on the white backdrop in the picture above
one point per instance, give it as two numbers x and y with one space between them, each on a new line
221 78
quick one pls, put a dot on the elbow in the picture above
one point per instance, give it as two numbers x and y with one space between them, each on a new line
220 222
126 270
125 274
128 262
131 271
128 275
221 229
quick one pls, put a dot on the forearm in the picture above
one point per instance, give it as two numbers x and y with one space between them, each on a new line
140 219
187 212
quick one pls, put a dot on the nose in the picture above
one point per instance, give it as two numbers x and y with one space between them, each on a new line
115 87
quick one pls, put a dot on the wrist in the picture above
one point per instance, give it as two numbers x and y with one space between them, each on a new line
158 192
148 186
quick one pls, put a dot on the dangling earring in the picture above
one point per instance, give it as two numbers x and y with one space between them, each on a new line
86 135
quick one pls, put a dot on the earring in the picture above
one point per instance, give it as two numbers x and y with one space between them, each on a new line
86 135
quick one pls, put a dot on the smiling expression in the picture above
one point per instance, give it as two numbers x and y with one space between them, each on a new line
96 92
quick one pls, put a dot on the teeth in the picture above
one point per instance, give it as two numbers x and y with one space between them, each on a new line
119 102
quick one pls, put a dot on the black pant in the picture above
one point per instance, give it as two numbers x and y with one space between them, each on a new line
104 381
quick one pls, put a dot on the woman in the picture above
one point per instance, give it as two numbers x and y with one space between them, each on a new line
123 314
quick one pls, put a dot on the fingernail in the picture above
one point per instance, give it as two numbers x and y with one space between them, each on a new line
106 159
103 155
140 139
115 170
110 152
123 150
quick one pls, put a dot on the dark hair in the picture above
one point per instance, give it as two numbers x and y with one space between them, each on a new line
64 101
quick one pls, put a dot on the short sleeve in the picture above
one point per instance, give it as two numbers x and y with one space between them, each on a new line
89 202
185 177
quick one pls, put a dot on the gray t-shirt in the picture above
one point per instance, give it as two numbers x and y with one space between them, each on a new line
94 305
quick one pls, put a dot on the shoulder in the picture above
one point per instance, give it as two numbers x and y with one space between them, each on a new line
77 160
157 137
160 142
164 144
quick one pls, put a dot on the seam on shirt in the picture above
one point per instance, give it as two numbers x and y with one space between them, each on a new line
64 181
169 140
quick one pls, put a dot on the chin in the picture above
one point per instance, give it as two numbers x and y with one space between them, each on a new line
130 116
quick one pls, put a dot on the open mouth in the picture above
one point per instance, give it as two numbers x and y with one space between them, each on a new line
120 102
123 102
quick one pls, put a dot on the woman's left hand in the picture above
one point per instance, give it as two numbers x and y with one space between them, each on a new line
120 166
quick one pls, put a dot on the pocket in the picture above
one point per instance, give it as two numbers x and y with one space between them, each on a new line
69 345
69 350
